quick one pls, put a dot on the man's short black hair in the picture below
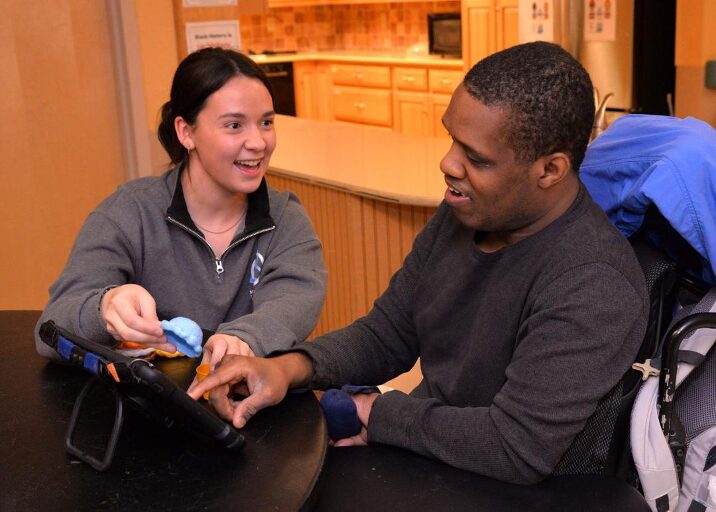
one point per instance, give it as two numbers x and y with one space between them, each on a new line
547 94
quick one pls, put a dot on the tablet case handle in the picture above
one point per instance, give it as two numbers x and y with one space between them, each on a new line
99 465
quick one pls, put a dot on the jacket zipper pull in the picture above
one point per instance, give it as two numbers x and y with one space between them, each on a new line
219 267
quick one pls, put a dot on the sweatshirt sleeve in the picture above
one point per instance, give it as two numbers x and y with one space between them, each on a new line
574 346
100 258
288 297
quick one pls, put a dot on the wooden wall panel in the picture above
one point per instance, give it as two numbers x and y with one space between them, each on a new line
364 242
59 138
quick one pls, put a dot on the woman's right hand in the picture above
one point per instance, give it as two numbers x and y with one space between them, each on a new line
220 345
130 314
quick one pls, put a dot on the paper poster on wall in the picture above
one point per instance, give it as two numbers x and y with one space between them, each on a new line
213 33
600 20
207 3
536 21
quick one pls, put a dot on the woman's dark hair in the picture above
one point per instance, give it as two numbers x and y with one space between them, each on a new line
197 77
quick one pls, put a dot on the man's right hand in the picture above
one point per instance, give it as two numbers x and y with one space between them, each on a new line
130 314
263 382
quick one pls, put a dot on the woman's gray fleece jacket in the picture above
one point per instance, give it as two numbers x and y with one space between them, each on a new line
267 288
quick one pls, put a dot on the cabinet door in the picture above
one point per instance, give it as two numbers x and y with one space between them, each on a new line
363 105
506 24
438 104
312 84
412 113
304 82
323 98
478 32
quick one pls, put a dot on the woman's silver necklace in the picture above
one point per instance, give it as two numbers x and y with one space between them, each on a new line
223 230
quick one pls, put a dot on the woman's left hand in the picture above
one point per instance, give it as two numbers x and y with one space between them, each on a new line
219 345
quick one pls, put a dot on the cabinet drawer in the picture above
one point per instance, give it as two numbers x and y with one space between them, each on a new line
410 79
369 106
444 81
369 76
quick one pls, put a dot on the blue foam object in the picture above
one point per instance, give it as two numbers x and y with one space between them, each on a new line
341 414
185 334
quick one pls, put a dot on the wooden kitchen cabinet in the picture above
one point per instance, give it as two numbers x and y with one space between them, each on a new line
360 75
487 26
421 113
438 105
410 79
412 113
304 85
362 94
477 26
405 98
411 101
506 24
363 105
444 81
312 87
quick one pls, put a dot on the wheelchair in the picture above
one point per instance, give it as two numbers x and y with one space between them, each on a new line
655 177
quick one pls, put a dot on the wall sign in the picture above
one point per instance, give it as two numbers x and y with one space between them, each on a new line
224 34
600 18
536 21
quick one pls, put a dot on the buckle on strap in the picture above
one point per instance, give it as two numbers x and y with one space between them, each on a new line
646 369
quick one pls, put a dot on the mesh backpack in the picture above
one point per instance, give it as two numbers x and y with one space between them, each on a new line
673 422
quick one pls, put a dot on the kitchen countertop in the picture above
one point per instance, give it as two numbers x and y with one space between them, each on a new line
365 160
363 57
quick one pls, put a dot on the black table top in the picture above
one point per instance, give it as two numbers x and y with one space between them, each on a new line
282 466
154 467
382 478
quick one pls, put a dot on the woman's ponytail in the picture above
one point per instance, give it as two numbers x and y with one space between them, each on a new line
168 135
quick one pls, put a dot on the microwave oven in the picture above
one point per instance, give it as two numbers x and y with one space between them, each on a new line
444 34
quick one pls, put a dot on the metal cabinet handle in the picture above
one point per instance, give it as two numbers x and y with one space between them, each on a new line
445 81
409 78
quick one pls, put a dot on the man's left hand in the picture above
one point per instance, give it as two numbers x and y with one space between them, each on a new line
364 405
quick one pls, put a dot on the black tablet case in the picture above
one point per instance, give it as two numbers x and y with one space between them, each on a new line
140 382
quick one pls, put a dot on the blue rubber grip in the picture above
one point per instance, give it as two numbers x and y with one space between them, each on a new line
64 348
91 363
90 360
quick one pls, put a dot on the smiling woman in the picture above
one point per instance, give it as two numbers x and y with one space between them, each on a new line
208 240
229 146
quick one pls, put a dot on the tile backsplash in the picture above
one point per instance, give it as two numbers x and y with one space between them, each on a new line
387 26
